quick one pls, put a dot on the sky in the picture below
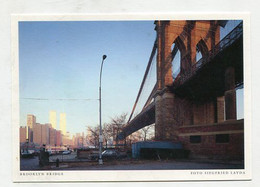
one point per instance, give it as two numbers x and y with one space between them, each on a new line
59 65
61 60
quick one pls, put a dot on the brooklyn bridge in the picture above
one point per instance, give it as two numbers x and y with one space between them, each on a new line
193 74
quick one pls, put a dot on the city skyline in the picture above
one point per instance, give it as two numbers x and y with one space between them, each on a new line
32 121
45 133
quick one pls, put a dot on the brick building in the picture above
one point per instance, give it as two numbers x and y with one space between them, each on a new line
58 137
37 133
31 121
52 136
23 132
46 133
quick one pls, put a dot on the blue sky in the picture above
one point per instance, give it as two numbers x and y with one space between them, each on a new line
61 60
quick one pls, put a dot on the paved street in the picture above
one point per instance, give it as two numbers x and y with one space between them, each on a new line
29 163
33 164
158 165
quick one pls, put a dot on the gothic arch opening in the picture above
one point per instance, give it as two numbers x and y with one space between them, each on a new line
201 50
177 50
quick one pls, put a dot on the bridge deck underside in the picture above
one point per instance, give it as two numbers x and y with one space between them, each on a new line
145 118
209 80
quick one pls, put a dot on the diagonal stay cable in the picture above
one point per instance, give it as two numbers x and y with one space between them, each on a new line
144 78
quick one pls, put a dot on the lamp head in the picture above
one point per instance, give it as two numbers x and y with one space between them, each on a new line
104 57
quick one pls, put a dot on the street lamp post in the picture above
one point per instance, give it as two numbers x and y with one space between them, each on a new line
100 161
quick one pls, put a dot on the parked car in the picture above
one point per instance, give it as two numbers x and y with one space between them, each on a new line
111 154
66 152
27 154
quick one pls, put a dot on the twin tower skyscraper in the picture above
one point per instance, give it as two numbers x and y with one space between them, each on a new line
53 121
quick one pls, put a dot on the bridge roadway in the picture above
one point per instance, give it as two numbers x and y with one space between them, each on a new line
206 80
144 118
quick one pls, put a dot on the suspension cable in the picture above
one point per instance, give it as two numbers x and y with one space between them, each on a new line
144 78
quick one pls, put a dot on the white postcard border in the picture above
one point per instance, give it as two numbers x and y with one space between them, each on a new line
130 175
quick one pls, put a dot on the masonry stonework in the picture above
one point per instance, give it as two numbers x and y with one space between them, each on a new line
178 117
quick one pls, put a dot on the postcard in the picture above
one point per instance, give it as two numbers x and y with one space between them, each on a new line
131 97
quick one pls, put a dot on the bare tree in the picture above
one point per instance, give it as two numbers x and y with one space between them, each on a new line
93 139
147 132
116 125
107 132
135 137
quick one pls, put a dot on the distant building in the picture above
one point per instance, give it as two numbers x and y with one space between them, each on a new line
23 132
67 140
41 133
53 119
46 134
31 121
52 136
68 134
78 140
63 123
74 141
37 133
29 134
58 138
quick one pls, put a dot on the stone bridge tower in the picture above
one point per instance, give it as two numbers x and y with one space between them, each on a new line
172 110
